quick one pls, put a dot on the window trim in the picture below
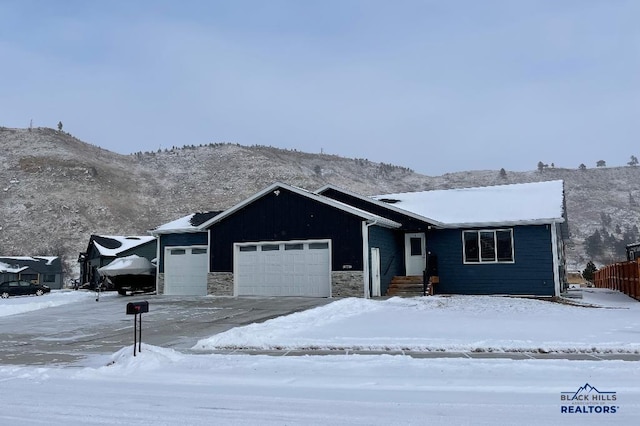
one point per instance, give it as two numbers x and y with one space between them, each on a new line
495 259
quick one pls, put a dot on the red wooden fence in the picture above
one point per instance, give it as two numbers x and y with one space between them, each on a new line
621 276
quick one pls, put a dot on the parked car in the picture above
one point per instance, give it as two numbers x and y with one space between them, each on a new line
22 288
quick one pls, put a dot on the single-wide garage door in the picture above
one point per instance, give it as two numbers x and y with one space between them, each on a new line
294 268
185 271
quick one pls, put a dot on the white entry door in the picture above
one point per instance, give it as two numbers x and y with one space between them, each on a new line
375 272
415 253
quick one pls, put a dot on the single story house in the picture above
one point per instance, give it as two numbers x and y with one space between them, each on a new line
103 249
286 241
633 251
45 270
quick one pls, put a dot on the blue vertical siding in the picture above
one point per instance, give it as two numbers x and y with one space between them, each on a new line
186 239
284 216
530 274
391 245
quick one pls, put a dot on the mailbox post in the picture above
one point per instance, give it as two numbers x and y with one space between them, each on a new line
137 309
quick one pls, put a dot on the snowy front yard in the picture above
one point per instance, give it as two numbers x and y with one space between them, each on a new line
457 323
162 386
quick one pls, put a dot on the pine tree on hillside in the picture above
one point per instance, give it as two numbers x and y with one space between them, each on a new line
589 271
593 244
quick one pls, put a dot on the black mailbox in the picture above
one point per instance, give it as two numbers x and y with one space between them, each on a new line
134 308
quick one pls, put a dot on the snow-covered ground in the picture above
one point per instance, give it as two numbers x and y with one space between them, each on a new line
611 323
162 386
18 305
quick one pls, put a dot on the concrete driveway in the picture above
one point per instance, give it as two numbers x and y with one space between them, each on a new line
69 333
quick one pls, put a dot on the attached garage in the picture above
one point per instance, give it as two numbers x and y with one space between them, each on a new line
186 271
289 268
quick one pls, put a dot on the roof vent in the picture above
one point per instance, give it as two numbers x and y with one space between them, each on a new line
389 200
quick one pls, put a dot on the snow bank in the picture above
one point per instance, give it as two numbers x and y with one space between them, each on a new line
18 305
605 323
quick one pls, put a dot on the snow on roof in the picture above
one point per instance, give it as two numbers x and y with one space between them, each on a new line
48 259
182 224
16 264
189 223
126 243
12 269
525 203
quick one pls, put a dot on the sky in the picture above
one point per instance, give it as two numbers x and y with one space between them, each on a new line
164 386
436 86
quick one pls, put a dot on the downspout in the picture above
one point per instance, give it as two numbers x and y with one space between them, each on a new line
554 253
158 263
209 263
365 256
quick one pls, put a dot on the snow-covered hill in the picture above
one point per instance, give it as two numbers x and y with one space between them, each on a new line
55 190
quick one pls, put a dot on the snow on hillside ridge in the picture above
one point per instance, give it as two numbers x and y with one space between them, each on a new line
55 190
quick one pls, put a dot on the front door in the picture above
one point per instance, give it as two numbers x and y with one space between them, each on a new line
415 253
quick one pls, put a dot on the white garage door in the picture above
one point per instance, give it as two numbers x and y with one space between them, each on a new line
185 271
293 268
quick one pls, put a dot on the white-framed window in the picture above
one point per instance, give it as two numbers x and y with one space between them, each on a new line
488 246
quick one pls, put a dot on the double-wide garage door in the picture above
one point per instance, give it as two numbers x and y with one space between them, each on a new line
294 268
186 271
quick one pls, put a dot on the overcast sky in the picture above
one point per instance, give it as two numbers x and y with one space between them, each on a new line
437 86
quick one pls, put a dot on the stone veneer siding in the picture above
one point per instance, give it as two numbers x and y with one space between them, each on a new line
220 283
160 284
344 284
347 284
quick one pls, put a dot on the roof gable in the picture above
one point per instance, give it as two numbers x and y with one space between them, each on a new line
380 203
304 193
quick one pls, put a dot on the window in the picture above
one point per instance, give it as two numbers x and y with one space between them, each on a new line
318 246
488 246
199 251
178 251
48 278
504 247
295 246
270 247
416 246
29 277
248 248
